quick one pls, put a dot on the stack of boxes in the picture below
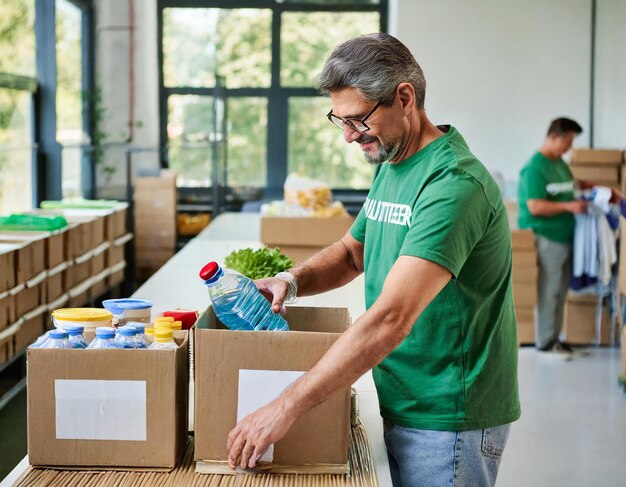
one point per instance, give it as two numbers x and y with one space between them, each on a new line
43 271
524 276
580 321
603 167
155 202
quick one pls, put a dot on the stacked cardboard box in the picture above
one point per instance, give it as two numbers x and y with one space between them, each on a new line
599 166
42 271
581 314
524 277
155 201
301 237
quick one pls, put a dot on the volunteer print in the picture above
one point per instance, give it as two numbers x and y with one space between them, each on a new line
386 212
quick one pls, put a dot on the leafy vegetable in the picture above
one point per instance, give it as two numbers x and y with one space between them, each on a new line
258 263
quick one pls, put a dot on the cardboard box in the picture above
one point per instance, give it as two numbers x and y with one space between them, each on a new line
7 309
156 234
624 354
119 217
32 295
138 420
301 237
525 324
80 271
524 274
596 156
525 294
80 295
30 256
8 253
115 253
32 325
524 259
579 324
116 274
523 240
596 173
57 282
156 196
319 438
98 261
100 285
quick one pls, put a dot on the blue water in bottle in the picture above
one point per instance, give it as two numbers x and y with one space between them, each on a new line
237 301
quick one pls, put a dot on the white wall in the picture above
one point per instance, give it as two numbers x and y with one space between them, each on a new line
500 71
610 91
113 76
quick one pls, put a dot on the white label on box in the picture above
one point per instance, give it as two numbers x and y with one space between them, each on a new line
100 409
260 387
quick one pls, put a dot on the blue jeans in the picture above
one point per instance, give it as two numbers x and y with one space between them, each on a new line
423 458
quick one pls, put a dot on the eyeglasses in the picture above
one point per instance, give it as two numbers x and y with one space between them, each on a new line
356 125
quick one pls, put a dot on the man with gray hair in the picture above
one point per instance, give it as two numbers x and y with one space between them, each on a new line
433 241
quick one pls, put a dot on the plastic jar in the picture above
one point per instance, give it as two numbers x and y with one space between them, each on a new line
85 317
129 309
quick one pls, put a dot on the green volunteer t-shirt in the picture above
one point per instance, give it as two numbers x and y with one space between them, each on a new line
457 369
546 179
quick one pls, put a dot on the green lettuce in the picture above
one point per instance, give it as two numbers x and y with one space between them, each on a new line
258 263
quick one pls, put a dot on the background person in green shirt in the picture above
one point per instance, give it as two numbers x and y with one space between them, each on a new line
433 241
547 205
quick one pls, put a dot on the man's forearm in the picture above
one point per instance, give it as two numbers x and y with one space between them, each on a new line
548 208
330 268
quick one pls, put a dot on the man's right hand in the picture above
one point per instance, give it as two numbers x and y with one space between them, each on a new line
578 206
275 291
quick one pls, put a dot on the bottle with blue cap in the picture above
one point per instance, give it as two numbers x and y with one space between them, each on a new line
57 339
141 333
237 301
105 338
126 337
76 337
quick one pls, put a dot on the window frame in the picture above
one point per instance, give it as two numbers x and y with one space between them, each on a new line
277 95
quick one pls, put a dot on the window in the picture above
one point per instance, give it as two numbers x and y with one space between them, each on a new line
69 95
17 84
261 63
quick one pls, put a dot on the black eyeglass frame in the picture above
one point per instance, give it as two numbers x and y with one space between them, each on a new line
351 122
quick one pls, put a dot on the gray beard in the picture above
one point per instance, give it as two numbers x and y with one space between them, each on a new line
384 154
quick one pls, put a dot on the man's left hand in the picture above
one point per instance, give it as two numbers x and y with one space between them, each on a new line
252 436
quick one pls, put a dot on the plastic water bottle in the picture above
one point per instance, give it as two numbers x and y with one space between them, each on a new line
163 340
140 336
237 301
105 338
57 339
76 337
126 337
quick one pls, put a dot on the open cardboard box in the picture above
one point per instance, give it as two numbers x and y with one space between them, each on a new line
318 441
301 237
108 408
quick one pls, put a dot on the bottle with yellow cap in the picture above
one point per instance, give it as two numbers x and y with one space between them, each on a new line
163 339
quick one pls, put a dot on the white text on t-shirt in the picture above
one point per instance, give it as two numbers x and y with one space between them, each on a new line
386 212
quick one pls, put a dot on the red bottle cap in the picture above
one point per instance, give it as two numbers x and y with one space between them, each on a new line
209 270
188 317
